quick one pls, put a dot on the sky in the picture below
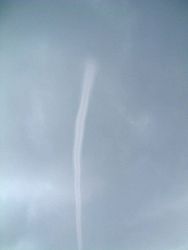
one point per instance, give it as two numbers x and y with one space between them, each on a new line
135 146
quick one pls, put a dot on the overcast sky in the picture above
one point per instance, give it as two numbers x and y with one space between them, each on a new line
135 148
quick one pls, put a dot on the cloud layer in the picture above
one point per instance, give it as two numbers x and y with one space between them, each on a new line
135 190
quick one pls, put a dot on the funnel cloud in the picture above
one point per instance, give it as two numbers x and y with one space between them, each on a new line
88 80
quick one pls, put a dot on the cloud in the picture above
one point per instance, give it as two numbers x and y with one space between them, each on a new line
134 151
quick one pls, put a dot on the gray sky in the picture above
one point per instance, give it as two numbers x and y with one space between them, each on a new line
135 148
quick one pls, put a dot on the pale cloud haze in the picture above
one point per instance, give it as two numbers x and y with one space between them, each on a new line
135 145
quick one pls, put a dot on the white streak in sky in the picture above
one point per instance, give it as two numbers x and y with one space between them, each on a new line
89 76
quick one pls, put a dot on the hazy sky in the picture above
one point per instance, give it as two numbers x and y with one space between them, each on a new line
135 148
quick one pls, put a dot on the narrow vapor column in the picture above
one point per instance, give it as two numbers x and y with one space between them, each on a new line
88 80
